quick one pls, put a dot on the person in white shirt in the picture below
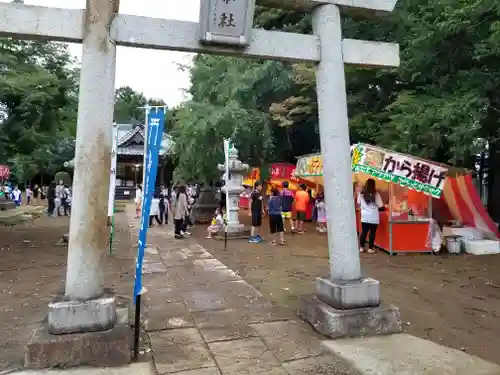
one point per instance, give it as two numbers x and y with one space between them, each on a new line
370 203
29 194
138 201
58 199
6 191
16 196
155 210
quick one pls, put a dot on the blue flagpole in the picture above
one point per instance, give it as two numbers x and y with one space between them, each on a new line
154 136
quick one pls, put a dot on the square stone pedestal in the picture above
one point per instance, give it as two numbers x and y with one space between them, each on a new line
81 316
349 294
105 348
234 232
111 347
349 309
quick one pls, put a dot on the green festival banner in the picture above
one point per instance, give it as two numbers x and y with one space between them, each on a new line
413 173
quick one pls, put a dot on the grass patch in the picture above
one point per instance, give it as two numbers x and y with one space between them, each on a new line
13 220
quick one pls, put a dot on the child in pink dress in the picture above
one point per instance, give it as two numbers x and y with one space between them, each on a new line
216 225
321 212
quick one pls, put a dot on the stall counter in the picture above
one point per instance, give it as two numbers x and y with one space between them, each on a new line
408 236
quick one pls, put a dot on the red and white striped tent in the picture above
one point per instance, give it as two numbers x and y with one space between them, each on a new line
460 201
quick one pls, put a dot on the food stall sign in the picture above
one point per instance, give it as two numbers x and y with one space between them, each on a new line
412 173
4 171
309 166
283 171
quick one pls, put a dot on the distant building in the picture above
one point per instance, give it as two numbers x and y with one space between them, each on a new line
130 157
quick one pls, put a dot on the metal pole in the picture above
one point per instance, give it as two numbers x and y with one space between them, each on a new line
147 109
335 146
391 190
88 235
137 326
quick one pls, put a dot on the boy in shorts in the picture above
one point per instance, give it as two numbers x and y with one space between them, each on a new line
256 211
301 202
275 218
287 206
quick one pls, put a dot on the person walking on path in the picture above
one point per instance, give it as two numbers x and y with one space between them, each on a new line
51 197
301 201
180 211
59 199
275 217
65 200
29 195
163 204
370 203
154 212
321 213
256 211
138 201
16 196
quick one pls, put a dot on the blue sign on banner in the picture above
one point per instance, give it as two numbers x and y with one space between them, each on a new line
156 122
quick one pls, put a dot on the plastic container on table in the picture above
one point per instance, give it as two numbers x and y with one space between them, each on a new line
454 244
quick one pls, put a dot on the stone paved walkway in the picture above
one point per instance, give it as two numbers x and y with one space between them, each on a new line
204 319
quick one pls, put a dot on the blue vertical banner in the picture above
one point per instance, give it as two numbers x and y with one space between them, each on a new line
156 123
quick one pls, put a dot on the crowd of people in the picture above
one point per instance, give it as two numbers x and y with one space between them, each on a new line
280 205
57 195
178 201
278 208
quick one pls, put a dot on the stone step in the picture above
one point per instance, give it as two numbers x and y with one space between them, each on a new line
404 354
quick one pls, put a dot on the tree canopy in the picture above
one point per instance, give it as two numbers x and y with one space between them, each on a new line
38 101
39 104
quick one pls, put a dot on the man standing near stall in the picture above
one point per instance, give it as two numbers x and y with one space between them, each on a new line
301 201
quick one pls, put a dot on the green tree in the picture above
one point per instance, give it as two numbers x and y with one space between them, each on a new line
128 105
230 98
38 91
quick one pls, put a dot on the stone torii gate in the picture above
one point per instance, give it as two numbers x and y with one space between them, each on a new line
100 28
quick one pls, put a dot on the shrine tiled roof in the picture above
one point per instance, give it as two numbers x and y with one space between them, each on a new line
126 133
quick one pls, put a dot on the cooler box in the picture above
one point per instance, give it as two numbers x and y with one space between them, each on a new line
482 247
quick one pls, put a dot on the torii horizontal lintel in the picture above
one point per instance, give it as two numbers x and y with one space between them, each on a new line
368 5
34 22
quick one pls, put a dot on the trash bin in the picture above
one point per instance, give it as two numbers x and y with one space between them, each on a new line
454 244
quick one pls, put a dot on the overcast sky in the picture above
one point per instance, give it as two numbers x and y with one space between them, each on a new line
154 73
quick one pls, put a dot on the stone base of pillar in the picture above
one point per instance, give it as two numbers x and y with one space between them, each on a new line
81 316
349 294
106 348
112 347
234 232
349 309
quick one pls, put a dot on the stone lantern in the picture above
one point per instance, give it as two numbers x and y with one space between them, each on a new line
234 187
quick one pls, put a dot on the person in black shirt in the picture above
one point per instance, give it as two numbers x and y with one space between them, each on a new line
256 211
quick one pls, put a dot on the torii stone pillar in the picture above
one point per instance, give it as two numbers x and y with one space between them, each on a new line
346 304
85 307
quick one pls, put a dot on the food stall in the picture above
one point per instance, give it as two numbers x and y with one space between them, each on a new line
276 174
248 183
406 186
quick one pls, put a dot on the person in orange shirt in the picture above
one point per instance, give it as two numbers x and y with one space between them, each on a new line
301 202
